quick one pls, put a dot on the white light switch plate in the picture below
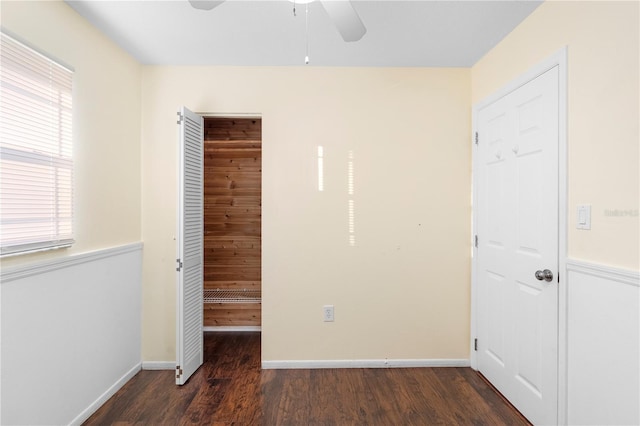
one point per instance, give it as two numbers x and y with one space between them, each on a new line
583 218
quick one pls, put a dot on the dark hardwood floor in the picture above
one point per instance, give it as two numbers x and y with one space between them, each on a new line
230 389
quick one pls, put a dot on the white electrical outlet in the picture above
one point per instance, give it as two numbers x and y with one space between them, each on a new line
327 313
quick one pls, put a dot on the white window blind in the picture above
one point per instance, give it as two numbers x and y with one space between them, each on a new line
36 165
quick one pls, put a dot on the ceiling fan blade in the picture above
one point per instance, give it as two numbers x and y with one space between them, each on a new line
205 4
345 18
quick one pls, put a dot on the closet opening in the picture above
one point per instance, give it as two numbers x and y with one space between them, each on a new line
232 182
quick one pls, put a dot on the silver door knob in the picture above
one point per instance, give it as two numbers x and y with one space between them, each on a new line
545 275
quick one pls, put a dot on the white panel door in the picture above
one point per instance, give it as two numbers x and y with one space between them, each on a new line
517 229
189 347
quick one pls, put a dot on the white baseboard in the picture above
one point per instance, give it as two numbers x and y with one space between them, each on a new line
158 365
233 328
364 363
87 412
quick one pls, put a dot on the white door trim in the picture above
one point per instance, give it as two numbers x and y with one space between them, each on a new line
558 59
256 115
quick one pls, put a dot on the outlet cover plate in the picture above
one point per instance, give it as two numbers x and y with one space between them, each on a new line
327 313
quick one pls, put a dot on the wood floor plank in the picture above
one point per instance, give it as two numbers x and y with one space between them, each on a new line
231 389
416 409
294 404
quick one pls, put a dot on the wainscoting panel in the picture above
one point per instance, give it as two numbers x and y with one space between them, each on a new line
70 334
603 345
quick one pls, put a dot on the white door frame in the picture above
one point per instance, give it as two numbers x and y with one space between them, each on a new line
558 59
239 115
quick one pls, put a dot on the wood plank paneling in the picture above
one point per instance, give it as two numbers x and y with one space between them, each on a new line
227 314
232 215
221 129
246 163
214 277
231 201
237 285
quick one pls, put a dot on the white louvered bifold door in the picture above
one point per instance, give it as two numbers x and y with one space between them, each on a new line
189 242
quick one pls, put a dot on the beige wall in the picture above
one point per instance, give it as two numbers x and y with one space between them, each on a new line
403 290
106 123
603 95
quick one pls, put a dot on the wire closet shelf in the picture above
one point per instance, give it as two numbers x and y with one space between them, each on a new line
231 296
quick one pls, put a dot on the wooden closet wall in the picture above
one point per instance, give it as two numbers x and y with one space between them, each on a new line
232 221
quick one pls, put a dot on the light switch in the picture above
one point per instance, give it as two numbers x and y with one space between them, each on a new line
584 216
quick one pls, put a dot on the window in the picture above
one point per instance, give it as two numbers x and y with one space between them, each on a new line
36 165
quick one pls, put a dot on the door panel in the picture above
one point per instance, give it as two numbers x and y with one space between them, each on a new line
189 345
517 223
497 315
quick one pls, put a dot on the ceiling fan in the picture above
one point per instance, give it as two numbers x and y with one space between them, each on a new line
341 12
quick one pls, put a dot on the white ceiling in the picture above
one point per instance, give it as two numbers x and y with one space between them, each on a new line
418 33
